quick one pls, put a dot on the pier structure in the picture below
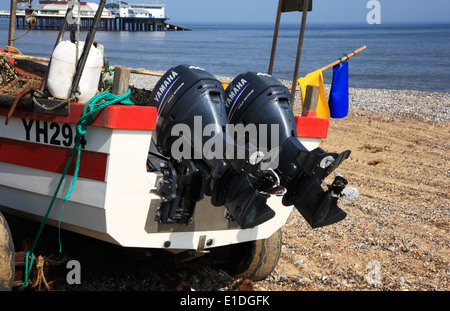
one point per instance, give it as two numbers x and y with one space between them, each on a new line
122 16
106 23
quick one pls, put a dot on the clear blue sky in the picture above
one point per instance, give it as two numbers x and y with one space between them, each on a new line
336 11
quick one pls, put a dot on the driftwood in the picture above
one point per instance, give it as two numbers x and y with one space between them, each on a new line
25 57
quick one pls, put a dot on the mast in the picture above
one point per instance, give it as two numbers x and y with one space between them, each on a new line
12 23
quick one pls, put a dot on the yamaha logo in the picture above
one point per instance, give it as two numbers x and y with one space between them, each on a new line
234 92
165 85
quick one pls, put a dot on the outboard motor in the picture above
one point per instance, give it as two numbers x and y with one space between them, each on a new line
191 136
258 98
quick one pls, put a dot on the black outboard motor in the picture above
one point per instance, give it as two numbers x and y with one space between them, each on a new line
191 134
257 98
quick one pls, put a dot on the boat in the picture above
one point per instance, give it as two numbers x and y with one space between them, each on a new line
125 184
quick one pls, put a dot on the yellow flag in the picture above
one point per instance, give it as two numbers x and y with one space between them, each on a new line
316 78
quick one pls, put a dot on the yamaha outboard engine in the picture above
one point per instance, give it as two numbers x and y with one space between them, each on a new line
258 98
191 136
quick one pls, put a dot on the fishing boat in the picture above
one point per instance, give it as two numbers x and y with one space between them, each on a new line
105 167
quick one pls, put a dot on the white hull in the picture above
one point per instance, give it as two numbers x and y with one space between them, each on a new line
119 209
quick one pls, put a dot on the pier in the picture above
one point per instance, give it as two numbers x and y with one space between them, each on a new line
121 16
106 23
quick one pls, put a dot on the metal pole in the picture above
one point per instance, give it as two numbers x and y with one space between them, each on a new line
299 50
12 23
87 46
58 40
275 37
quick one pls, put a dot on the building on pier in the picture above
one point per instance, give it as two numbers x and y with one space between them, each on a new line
58 8
137 16
137 10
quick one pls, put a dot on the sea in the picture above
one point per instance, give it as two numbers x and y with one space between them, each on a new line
398 56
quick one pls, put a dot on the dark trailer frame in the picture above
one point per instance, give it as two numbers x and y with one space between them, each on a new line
291 6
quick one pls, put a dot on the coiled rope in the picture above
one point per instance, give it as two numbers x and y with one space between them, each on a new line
94 105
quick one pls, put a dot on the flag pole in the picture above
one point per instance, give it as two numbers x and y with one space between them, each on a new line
340 60
344 58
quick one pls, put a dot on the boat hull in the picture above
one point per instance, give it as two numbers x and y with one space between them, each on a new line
113 199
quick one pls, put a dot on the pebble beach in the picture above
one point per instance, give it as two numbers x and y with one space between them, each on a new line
396 234
429 106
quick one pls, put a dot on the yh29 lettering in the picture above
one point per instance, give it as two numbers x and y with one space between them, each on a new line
51 133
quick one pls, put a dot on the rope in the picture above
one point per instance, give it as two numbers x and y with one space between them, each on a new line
22 35
12 49
41 276
94 105
27 269
61 104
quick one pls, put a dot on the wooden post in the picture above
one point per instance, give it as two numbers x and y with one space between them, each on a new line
121 80
12 23
311 100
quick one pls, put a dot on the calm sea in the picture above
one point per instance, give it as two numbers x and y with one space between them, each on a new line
413 57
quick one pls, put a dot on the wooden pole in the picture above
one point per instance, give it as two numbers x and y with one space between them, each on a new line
311 100
344 58
25 57
121 81
158 74
145 72
12 23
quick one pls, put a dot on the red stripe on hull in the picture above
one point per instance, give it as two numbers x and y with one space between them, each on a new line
114 116
52 158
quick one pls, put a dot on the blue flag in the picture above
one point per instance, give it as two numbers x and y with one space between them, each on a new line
338 101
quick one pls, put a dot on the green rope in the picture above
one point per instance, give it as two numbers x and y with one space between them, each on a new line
27 269
94 105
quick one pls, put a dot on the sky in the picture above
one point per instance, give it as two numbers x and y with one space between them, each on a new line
332 11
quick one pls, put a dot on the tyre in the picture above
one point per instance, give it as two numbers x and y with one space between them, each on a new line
7 258
254 260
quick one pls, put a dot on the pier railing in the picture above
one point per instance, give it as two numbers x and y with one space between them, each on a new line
107 23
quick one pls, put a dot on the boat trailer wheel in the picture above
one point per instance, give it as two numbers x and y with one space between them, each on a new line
254 260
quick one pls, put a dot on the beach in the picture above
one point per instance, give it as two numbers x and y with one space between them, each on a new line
396 234
394 238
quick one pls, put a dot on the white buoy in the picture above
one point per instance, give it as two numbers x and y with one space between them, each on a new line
63 68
